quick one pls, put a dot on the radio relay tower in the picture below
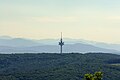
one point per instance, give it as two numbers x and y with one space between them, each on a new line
61 43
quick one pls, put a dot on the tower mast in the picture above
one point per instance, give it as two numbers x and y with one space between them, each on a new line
61 43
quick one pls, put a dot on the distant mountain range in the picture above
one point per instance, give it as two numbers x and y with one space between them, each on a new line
18 45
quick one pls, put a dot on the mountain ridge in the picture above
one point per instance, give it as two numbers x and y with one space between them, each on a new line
51 45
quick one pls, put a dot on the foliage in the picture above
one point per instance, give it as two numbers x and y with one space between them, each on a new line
52 66
95 76
89 77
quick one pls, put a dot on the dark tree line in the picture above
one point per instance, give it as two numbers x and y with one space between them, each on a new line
59 66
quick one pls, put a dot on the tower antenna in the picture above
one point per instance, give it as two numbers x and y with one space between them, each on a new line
61 43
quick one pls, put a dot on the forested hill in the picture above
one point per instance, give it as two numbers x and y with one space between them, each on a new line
53 66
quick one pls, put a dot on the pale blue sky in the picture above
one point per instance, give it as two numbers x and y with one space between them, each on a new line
97 20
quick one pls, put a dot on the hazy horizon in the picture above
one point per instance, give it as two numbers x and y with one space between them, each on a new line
66 39
94 20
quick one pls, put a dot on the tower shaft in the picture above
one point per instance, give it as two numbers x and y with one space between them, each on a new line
61 43
61 49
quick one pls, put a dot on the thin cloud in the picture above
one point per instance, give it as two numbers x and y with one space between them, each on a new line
55 19
113 18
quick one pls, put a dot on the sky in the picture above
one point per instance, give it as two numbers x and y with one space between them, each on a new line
95 20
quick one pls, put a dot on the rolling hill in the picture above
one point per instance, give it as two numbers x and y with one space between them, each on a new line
54 66
16 45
